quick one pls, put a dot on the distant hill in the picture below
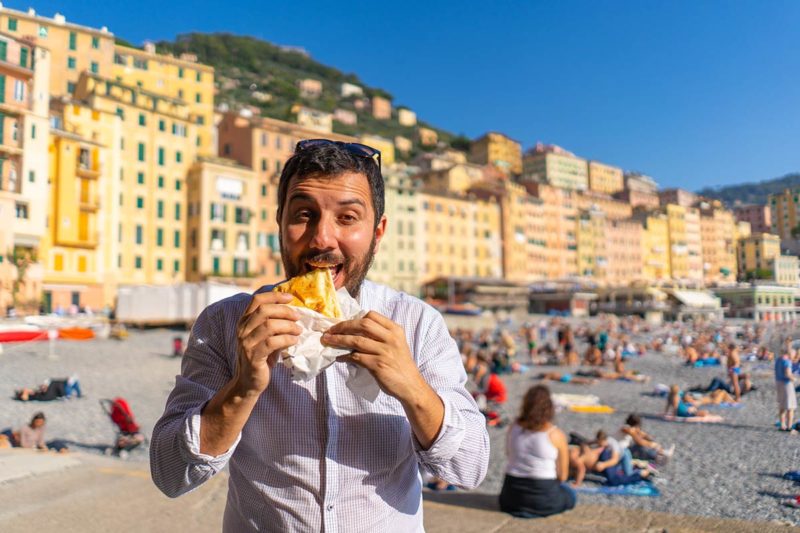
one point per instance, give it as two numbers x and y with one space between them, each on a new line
247 69
752 193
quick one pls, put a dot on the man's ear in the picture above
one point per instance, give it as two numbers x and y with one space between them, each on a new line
380 229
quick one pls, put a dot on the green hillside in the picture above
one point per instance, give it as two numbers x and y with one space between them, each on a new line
754 192
246 65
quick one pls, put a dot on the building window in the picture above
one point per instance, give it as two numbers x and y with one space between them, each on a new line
177 239
22 210
43 32
160 209
177 185
159 237
19 90
138 262
141 151
178 157
142 119
140 178
140 202
159 264
23 57
197 98
161 157
94 67
177 211
263 164
199 76
12 24
215 265
73 40
161 182
162 126
176 266
71 63
180 72
31 176
95 42
33 131
139 233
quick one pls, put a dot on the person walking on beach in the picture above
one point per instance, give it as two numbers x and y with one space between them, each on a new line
312 455
784 386
538 461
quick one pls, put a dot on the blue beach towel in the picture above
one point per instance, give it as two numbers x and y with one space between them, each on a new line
711 361
642 488
794 475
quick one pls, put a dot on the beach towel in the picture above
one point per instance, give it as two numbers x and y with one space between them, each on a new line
566 400
637 489
592 409
712 361
726 405
710 419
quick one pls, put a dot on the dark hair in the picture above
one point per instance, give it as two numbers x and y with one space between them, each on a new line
37 416
537 408
633 420
601 435
331 160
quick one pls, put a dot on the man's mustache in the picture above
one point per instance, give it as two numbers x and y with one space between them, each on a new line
325 257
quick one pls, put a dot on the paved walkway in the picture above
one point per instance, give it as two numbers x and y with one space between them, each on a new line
93 494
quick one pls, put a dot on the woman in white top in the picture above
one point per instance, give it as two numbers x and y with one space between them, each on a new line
538 461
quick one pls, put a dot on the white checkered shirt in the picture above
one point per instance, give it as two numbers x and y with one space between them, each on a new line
313 456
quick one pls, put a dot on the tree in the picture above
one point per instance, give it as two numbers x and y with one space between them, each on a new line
22 257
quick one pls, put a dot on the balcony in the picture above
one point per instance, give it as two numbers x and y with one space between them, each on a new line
89 202
89 171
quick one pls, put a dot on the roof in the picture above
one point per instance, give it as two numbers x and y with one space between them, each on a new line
696 299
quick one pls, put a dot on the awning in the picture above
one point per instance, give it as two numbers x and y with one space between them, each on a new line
696 299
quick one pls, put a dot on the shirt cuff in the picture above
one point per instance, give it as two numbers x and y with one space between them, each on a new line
191 443
447 442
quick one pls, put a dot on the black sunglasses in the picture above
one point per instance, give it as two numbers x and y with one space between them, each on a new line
357 149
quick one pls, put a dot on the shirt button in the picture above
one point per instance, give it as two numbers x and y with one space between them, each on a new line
329 507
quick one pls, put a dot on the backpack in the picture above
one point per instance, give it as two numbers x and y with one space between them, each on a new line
122 416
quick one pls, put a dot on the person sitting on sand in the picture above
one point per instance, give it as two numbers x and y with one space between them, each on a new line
30 436
682 405
538 461
718 384
582 459
641 444
565 378
609 464
50 390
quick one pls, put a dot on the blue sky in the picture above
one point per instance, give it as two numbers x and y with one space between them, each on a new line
693 93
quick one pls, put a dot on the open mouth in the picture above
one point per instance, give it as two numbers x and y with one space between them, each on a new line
335 269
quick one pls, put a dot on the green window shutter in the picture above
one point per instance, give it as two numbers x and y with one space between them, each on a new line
177 239
141 151
177 211
159 264
3 50
73 40
161 156
2 125
159 237
12 24
160 209
23 57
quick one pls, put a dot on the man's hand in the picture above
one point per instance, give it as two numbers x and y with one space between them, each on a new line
266 327
380 346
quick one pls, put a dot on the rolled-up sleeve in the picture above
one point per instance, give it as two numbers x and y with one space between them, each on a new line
176 464
460 452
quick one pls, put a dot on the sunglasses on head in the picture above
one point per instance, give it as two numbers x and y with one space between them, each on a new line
357 149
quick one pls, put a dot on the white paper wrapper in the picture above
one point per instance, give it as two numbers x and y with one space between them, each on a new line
309 357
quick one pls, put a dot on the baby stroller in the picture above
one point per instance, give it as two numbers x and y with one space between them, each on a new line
129 435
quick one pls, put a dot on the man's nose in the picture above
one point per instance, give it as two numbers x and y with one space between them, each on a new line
324 234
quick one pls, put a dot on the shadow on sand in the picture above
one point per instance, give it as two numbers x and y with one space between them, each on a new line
472 500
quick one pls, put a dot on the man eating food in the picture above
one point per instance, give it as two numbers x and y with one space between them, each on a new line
313 456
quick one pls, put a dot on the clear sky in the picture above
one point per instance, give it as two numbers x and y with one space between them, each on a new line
693 93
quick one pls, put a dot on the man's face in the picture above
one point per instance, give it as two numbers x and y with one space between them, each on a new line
38 423
329 222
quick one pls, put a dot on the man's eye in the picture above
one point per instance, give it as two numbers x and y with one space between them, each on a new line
348 219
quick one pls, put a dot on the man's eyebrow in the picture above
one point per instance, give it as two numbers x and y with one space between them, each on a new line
300 196
351 201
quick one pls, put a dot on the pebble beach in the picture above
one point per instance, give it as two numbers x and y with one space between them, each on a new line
730 469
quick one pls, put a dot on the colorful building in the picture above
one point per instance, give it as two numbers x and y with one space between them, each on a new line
605 178
73 48
221 221
784 213
760 302
555 166
685 248
560 225
381 108
591 239
756 252
759 217
182 79
24 189
499 150
614 209
680 197
624 263
655 246
718 244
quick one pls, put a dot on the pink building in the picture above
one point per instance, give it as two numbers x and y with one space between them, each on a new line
759 217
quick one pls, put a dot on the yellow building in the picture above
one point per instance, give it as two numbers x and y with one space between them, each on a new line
685 250
157 148
614 209
221 221
386 147
756 252
785 217
24 190
717 235
460 236
590 235
397 262
523 229
605 178
555 166
499 150
655 246
623 253
456 178
73 48
180 78
264 144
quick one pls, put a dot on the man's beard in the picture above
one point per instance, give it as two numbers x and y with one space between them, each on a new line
354 271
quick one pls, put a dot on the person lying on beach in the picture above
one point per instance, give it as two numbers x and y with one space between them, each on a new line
682 405
582 459
565 378
641 444
719 384
51 389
